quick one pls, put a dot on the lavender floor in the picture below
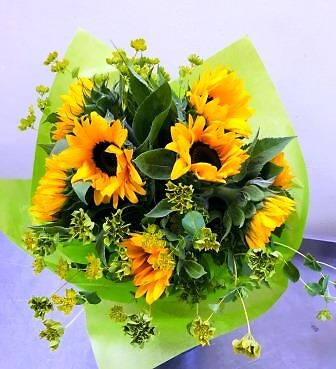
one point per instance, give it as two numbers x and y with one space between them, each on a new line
291 337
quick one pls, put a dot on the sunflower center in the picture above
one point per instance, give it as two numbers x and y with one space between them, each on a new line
105 161
200 152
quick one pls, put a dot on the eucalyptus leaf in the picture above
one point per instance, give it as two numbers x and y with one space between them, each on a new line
81 189
59 146
156 164
160 210
193 222
194 269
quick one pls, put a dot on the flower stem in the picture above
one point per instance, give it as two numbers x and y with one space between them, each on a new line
303 255
74 319
245 312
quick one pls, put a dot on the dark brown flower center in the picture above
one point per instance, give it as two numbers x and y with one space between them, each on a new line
105 161
200 152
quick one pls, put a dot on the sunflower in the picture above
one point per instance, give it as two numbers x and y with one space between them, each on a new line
273 214
72 107
285 177
219 96
209 153
96 153
49 197
152 263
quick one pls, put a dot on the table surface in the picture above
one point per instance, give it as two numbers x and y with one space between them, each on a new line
289 333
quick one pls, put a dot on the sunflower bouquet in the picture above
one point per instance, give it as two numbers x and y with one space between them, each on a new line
166 205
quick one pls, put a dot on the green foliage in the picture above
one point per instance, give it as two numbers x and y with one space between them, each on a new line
152 113
138 87
194 269
90 297
237 216
318 288
81 189
193 222
265 150
59 146
254 193
162 209
312 263
291 271
156 164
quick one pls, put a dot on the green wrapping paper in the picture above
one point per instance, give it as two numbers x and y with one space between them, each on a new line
171 316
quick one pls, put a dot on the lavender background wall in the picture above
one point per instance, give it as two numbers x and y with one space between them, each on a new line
296 40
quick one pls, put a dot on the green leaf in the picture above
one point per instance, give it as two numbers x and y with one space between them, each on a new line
237 215
156 164
231 262
254 193
100 247
81 189
156 126
261 182
312 263
291 271
51 118
194 269
323 282
46 147
138 86
160 210
265 150
151 114
193 222
60 146
227 224
313 289
271 170
90 297
249 210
